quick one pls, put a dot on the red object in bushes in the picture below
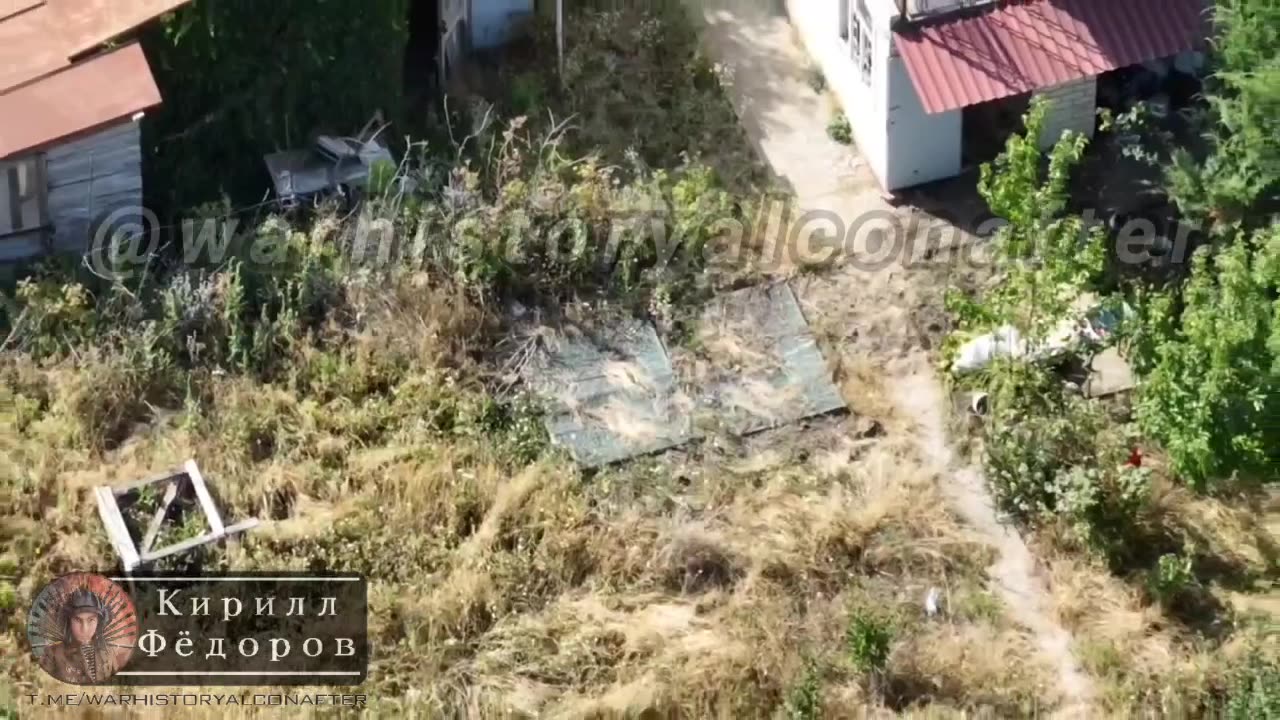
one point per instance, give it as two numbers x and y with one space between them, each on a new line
1135 458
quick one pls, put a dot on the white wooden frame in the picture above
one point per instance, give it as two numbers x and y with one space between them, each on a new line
133 556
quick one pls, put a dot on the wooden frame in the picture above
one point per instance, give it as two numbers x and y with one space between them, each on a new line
133 556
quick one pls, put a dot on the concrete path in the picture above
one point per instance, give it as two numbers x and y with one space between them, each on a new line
876 311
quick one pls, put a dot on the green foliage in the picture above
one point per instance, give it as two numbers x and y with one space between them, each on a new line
528 93
242 78
838 128
1206 349
528 220
1254 690
1211 390
1241 171
1172 576
1050 457
1055 457
1047 257
804 700
55 316
868 639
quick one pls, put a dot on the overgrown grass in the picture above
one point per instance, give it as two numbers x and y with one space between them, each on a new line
357 410
1155 580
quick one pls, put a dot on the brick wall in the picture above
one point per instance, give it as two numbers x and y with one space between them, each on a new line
1071 106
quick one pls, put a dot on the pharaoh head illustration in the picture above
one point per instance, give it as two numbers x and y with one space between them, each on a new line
82 629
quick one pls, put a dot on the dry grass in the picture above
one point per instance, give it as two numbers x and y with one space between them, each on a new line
1173 660
694 585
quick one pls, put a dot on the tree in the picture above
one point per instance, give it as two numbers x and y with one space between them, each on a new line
1211 394
1046 256
1208 351
1224 188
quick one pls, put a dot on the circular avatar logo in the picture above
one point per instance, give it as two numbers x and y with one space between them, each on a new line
82 628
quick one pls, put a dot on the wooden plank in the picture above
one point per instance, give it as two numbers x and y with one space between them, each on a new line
23 246
109 510
170 493
123 133
183 546
195 542
122 490
206 500
91 178
14 199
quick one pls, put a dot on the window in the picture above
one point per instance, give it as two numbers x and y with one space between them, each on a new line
860 44
844 20
23 200
863 49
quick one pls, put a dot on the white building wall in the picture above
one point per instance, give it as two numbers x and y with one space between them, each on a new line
921 147
903 145
1070 106
866 105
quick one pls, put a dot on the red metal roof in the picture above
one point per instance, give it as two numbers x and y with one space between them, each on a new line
82 97
42 41
1028 44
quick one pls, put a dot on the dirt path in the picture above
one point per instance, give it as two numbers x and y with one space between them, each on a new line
881 314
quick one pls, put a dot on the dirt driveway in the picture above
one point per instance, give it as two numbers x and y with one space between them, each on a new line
877 296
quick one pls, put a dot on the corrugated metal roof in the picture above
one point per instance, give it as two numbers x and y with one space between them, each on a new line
88 23
13 7
40 40
79 98
29 48
1031 44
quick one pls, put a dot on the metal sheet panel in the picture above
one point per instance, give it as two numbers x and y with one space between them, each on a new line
618 394
84 24
1023 46
768 370
86 96
613 396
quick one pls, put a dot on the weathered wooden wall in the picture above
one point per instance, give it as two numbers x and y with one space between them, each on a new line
21 246
91 178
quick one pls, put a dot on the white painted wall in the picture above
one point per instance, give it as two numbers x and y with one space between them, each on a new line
1069 106
817 22
903 145
921 147
493 20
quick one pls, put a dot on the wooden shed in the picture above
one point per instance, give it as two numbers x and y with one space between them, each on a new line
70 148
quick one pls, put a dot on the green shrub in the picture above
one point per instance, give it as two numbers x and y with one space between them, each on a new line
838 128
804 700
1211 385
1172 575
1254 690
55 316
867 640
1053 456
528 93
